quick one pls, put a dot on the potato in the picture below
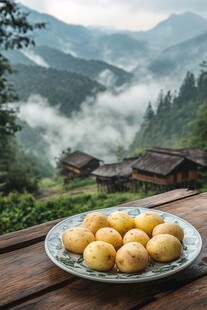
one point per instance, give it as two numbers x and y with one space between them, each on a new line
136 235
147 221
132 257
75 239
164 248
100 255
169 228
110 235
120 221
94 221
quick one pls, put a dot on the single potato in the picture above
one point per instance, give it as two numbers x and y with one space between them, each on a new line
132 257
164 248
169 228
75 239
110 235
147 222
136 235
120 221
100 256
94 221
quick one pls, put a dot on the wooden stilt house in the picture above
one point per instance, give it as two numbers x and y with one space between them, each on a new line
115 177
78 164
164 169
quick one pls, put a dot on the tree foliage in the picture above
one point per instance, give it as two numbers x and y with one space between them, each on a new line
173 119
198 128
14 28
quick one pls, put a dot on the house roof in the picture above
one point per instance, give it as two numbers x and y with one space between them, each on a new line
157 162
120 169
194 154
78 159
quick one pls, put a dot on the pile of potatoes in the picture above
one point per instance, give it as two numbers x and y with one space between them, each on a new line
124 241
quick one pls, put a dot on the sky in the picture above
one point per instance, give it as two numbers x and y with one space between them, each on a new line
118 14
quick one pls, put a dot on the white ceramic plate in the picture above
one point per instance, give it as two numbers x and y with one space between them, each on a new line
74 263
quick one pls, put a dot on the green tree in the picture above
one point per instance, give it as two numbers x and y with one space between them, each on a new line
120 152
149 114
15 32
187 91
202 81
198 128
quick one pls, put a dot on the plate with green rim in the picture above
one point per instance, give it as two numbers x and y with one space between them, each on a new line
74 263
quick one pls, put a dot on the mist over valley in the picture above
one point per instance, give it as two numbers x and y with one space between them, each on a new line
88 88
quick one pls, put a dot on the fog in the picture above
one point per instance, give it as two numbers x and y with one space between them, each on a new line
98 128
35 58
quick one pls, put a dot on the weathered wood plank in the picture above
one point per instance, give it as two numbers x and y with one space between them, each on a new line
27 271
110 296
26 237
195 297
36 279
32 235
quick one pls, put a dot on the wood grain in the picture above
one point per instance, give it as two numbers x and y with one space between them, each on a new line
27 271
195 297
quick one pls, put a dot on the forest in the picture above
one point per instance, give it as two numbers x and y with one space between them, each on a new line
177 119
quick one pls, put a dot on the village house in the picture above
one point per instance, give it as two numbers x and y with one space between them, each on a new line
115 177
165 169
195 154
78 164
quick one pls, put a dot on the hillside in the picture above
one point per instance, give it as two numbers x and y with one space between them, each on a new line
62 88
159 51
174 30
168 124
178 59
53 58
80 41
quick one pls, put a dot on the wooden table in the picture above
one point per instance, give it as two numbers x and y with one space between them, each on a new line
30 280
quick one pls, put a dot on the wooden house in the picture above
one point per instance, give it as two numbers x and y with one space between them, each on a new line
115 177
78 164
164 168
195 154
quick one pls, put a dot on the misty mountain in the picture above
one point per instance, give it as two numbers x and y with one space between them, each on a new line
126 49
174 30
63 89
119 48
178 59
87 42
50 57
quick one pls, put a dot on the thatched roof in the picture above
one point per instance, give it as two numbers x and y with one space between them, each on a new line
194 154
78 159
157 162
120 169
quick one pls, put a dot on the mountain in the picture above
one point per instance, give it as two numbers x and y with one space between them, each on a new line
126 49
85 42
119 48
49 57
174 30
178 59
62 88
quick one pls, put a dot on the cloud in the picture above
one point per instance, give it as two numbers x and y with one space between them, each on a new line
107 78
35 58
98 128
121 14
